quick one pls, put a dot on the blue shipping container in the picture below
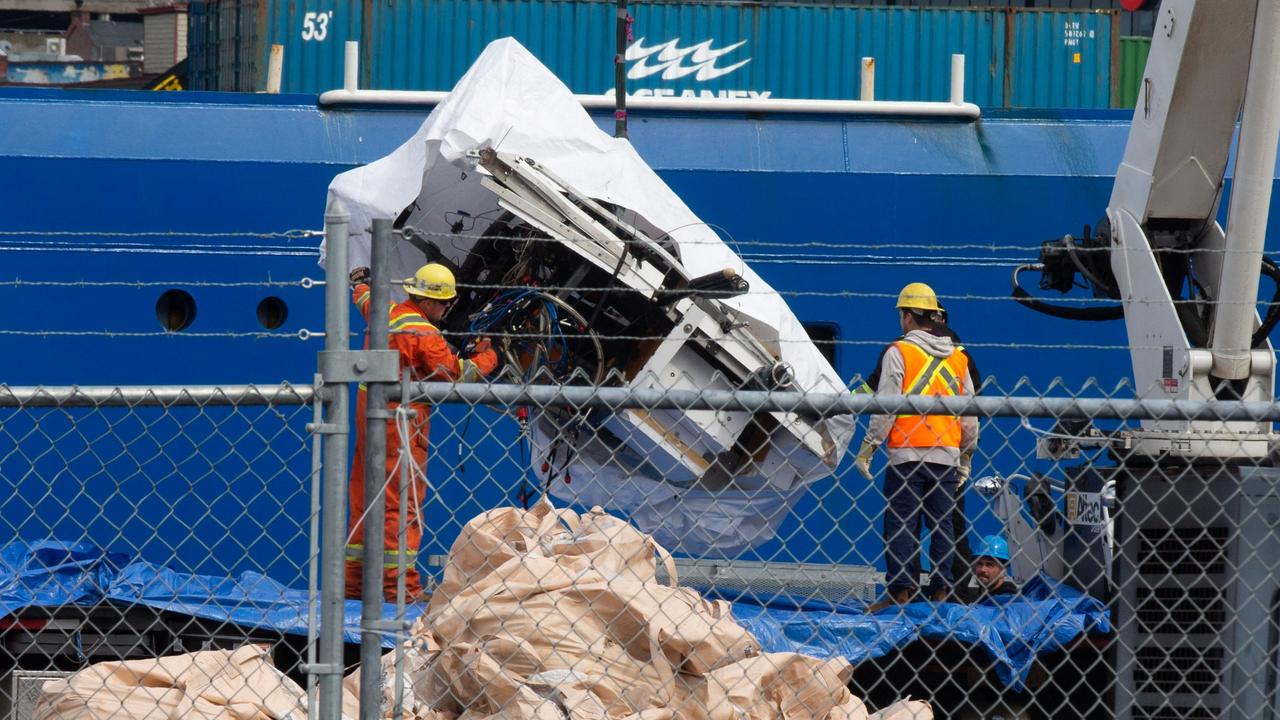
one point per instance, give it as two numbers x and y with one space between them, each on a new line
1031 58
1136 22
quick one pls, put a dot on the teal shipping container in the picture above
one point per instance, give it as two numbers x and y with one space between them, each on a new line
1014 58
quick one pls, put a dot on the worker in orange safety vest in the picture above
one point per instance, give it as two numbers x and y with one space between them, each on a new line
929 455
424 352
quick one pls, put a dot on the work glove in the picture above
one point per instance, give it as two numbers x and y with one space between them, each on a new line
479 346
360 276
964 470
863 461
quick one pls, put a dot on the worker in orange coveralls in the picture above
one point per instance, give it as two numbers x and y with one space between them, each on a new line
425 353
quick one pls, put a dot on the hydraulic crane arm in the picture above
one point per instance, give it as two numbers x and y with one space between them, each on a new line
1188 289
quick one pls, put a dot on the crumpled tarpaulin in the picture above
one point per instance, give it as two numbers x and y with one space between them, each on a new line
47 573
1046 616
510 101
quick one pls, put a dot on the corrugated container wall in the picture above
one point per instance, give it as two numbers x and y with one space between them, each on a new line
1133 63
1014 57
1138 22
736 50
1062 59
223 49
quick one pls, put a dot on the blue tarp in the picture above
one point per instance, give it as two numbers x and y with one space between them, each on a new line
48 573
1013 629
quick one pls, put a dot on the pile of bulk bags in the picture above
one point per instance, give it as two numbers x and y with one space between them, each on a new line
545 614
542 614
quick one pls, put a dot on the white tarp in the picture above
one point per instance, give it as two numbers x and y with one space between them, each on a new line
509 101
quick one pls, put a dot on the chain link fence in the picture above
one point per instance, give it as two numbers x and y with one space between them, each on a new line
151 521
1141 586
686 542
1135 586
665 542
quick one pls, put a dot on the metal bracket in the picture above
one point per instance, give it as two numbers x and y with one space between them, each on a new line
326 428
342 366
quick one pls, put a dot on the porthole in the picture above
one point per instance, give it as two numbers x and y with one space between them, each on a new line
272 312
826 336
176 310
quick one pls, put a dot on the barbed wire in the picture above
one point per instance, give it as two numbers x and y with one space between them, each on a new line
864 294
156 333
305 335
308 283
298 233
877 262
12 241
824 244
873 342
18 282
169 250
293 234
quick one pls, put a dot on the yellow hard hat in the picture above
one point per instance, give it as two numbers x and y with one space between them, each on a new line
918 296
434 281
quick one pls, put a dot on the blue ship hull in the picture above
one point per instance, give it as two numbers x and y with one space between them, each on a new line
836 213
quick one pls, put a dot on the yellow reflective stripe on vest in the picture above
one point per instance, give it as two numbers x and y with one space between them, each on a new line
950 381
911 382
941 370
390 558
935 368
410 322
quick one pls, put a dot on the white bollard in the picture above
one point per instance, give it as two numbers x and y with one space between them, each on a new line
275 68
868 93
957 79
351 67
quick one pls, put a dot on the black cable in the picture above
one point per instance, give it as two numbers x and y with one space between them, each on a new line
1271 270
1073 253
1098 314
617 270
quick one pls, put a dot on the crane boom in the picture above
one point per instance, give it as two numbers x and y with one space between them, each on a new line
1187 287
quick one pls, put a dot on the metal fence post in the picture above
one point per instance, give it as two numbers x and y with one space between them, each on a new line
402 533
337 328
375 473
313 560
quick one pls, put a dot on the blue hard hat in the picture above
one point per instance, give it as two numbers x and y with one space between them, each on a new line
993 546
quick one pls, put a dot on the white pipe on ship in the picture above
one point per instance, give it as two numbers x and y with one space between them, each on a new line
351 94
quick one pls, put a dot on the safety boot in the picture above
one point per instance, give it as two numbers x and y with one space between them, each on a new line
899 597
